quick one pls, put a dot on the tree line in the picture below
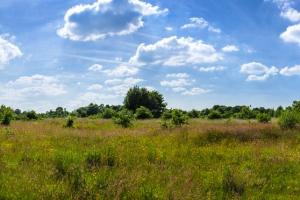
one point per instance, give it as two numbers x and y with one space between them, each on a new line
145 104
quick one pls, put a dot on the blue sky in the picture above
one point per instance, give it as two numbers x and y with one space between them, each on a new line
197 53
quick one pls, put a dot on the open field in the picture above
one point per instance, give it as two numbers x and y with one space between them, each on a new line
99 160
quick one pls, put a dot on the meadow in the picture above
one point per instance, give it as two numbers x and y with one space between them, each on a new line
206 159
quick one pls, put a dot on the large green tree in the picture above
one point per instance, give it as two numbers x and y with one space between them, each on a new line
153 100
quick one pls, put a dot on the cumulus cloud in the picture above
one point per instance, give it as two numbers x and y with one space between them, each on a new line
176 83
211 69
105 18
290 71
95 87
8 52
119 87
178 75
291 14
174 51
195 91
37 85
122 71
292 34
199 22
257 71
181 83
96 68
230 48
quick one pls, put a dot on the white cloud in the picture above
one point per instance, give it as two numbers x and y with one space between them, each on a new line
195 91
95 87
119 87
96 68
179 75
196 22
258 72
176 83
211 69
28 87
291 14
230 48
290 71
104 18
122 71
292 34
174 51
168 28
8 52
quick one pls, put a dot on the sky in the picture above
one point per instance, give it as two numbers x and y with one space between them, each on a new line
197 53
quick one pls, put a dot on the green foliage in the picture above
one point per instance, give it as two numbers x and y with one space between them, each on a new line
70 122
108 113
175 117
31 115
289 119
124 118
194 114
214 115
263 118
6 115
137 97
143 113
93 160
232 187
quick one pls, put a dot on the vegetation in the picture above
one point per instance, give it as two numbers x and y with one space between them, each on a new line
289 119
192 157
98 160
124 118
137 97
263 118
143 113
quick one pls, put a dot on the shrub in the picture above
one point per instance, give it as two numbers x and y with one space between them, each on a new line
31 115
288 120
70 122
174 118
6 117
108 113
143 113
124 118
194 114
179 118
263 118
214 115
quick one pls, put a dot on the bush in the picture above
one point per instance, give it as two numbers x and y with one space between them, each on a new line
70 122
214 115
108 113
6 117
288 120
124 118
263 118
174 118
143 113
194 114
31 115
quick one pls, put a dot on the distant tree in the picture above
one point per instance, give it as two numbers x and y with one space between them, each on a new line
137 97
296 106
279 111
214 115
108 113
92 109
194 114
263 118
174 117
31 115
143 113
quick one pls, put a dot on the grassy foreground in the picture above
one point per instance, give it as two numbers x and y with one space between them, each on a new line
98 160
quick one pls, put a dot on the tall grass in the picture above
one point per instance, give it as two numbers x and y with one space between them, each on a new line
100 160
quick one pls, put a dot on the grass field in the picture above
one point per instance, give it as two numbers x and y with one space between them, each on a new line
99 160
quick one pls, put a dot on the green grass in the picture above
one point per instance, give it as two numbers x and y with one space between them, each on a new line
99 160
